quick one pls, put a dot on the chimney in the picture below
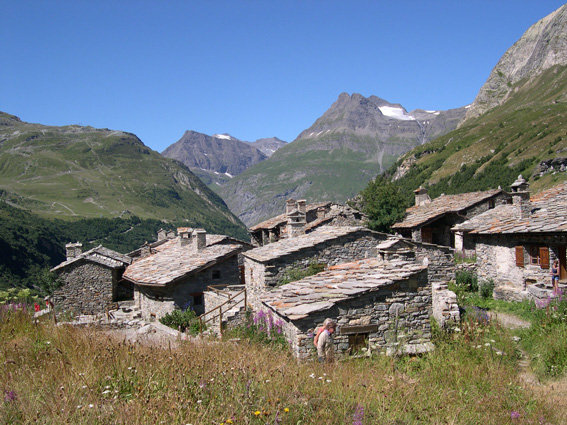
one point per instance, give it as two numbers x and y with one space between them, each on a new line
199 238
296 223
321 211
290 205
301 206
73 250
145 250
184 235
161 235
521 196
421 197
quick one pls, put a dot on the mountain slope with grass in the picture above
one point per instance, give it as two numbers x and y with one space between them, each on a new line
335 158
81 172
516 127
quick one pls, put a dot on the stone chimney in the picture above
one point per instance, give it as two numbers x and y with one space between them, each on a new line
421 197
321 211
161 235
296 222
73 250
199 238
521 196
184 235
302 206
145 250
290 206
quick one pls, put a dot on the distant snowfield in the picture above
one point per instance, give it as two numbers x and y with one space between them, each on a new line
222 136
396 113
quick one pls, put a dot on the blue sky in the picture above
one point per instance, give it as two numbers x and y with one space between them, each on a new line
251 68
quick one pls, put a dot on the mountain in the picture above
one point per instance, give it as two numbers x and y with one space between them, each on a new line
516 125
542 46
355 139
268 145
75 171
214 159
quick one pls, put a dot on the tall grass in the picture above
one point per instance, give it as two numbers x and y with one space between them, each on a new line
59 374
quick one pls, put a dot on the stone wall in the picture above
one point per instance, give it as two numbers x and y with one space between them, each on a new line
496 260
355 246
394 319
156 301
88 288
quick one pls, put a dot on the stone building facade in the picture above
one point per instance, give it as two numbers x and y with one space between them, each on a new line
378 306
265 267
91 281
175 274
516 244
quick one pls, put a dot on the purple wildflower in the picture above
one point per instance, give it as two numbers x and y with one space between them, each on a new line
514 414
9 396
358 416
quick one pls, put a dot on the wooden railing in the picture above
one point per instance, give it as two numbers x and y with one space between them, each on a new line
202 318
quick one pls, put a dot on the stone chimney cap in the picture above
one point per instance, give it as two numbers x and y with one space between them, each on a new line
519 181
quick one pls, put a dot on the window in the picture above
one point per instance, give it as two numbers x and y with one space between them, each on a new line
357 342
216 274
491 204
537 256
198 299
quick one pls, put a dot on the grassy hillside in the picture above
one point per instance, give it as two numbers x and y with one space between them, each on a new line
493 149
74 172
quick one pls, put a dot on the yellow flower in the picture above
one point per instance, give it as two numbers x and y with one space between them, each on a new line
257 413
228 421
286 410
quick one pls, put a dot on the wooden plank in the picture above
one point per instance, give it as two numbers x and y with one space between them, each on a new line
358 329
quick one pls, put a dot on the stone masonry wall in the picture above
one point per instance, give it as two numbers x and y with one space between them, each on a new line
399 312
87 288
155 302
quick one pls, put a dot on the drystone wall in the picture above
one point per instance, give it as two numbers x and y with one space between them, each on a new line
393 320
156 301
88 288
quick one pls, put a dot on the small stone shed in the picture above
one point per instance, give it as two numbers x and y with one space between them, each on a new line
301 217
516 244
431 221
92 280
380 306
176 273
265 267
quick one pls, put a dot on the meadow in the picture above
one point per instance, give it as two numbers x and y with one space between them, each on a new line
52 374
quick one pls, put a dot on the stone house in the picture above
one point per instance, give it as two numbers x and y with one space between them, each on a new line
265 267
379 306
516 243
175 274
92 280
300 218
431 221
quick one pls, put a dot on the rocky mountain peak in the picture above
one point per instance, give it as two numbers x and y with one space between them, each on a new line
542 46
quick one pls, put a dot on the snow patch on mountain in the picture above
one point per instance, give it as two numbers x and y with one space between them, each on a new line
396 113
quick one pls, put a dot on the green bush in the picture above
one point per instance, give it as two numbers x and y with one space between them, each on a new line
486 288
298 273
467 279
183 321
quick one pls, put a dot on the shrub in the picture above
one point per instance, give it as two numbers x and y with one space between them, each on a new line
467 279
298 273
486 288
182 320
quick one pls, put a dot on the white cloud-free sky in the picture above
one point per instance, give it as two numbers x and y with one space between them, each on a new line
251 68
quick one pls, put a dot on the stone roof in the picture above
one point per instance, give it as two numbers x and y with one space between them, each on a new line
548 215
297 300
281 219
99 255
288 246
172 262
444 204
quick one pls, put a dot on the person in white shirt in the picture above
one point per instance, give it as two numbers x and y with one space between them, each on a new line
325 342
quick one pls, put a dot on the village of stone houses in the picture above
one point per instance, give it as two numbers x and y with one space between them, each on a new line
381 290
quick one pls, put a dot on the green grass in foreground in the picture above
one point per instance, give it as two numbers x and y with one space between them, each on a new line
59 374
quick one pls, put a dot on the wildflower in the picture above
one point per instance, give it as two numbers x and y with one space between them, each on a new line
358 416
286 410
514 414
228 421
257 413
9 396
329 381
91 405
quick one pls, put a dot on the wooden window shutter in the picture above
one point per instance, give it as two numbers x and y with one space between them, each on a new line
544 257
520 256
